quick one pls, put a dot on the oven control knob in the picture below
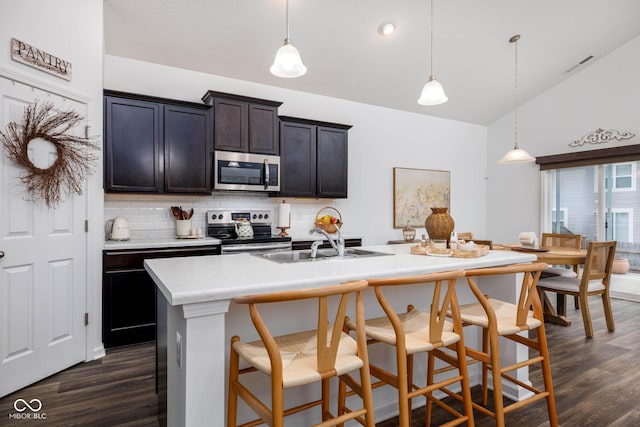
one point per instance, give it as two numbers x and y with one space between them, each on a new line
260 216
220 216
255 216
266 216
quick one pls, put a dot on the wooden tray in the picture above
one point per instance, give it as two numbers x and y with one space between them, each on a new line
480 250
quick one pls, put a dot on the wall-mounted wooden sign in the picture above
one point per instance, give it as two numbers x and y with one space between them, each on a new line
36 58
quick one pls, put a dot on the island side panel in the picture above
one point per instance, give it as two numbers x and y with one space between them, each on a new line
195 363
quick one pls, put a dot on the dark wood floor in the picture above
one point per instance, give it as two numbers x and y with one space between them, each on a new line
597 382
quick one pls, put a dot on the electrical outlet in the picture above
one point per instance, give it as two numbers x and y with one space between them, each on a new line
179 349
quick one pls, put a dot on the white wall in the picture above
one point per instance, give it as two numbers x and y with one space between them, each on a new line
380 140
71 30
603 95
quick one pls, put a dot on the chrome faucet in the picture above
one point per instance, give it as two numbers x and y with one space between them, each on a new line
337 245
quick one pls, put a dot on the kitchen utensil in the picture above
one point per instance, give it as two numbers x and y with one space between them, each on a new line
176 212
189 214
120 229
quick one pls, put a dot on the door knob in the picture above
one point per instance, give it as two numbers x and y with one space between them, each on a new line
1 254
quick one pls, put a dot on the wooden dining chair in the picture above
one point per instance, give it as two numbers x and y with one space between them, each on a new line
504 319
484 242
465 235
303 358
595 279
561 240
416 331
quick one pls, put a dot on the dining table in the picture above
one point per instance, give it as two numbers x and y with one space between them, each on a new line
552 256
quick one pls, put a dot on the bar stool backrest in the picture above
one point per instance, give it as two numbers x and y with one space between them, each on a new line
528 294
328 333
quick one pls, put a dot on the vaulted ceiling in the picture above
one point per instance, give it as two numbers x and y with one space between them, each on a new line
347 58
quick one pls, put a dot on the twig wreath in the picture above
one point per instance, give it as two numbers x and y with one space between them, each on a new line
75 154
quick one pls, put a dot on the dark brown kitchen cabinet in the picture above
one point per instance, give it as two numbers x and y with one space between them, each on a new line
313 158
187 150
244 124
129 293
156 145
133 152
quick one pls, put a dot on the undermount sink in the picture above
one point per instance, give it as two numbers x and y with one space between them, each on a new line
323 254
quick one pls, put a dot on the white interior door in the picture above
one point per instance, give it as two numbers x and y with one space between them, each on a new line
43 270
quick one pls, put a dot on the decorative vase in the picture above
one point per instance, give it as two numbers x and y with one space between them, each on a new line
620 266
439 224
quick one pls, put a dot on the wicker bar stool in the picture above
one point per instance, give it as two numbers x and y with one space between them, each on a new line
503 319
416 331
303 358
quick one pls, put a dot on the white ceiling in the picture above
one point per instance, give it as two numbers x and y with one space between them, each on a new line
346 57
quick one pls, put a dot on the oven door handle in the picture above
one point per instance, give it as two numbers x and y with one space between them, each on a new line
256 247
266 174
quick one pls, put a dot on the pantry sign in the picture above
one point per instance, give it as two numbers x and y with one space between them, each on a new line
36 58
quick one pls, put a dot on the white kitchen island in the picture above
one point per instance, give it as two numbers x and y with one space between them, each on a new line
200 319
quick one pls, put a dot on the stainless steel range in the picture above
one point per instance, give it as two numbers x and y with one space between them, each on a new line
221 224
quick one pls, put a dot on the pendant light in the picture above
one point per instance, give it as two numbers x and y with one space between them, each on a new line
432 92
288 63
517 155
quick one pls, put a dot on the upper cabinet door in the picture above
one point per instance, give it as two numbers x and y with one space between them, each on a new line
188 149
313 158
331 162
133 151
297 159
231 125
264 129
244 124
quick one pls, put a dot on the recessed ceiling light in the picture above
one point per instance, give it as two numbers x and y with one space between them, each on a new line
386 28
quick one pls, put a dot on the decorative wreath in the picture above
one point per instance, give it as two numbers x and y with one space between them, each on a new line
75 154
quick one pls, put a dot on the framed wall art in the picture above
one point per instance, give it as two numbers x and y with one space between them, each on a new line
415 192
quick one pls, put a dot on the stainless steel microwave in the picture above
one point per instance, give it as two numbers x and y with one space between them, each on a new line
246 171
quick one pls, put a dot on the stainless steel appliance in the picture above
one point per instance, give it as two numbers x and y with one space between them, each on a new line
221 224
246 171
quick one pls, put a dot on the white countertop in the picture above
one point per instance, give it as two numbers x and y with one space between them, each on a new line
159 243
208 278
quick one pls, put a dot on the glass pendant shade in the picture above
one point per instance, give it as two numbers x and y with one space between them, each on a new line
288 62
517 155
432 93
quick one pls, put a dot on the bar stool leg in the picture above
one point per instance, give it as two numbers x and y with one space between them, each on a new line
498 401
232 403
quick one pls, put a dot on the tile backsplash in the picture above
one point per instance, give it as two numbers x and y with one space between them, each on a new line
150 217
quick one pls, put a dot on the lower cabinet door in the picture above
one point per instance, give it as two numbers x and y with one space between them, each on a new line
129 312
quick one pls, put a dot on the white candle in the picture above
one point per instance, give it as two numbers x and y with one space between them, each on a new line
284 211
